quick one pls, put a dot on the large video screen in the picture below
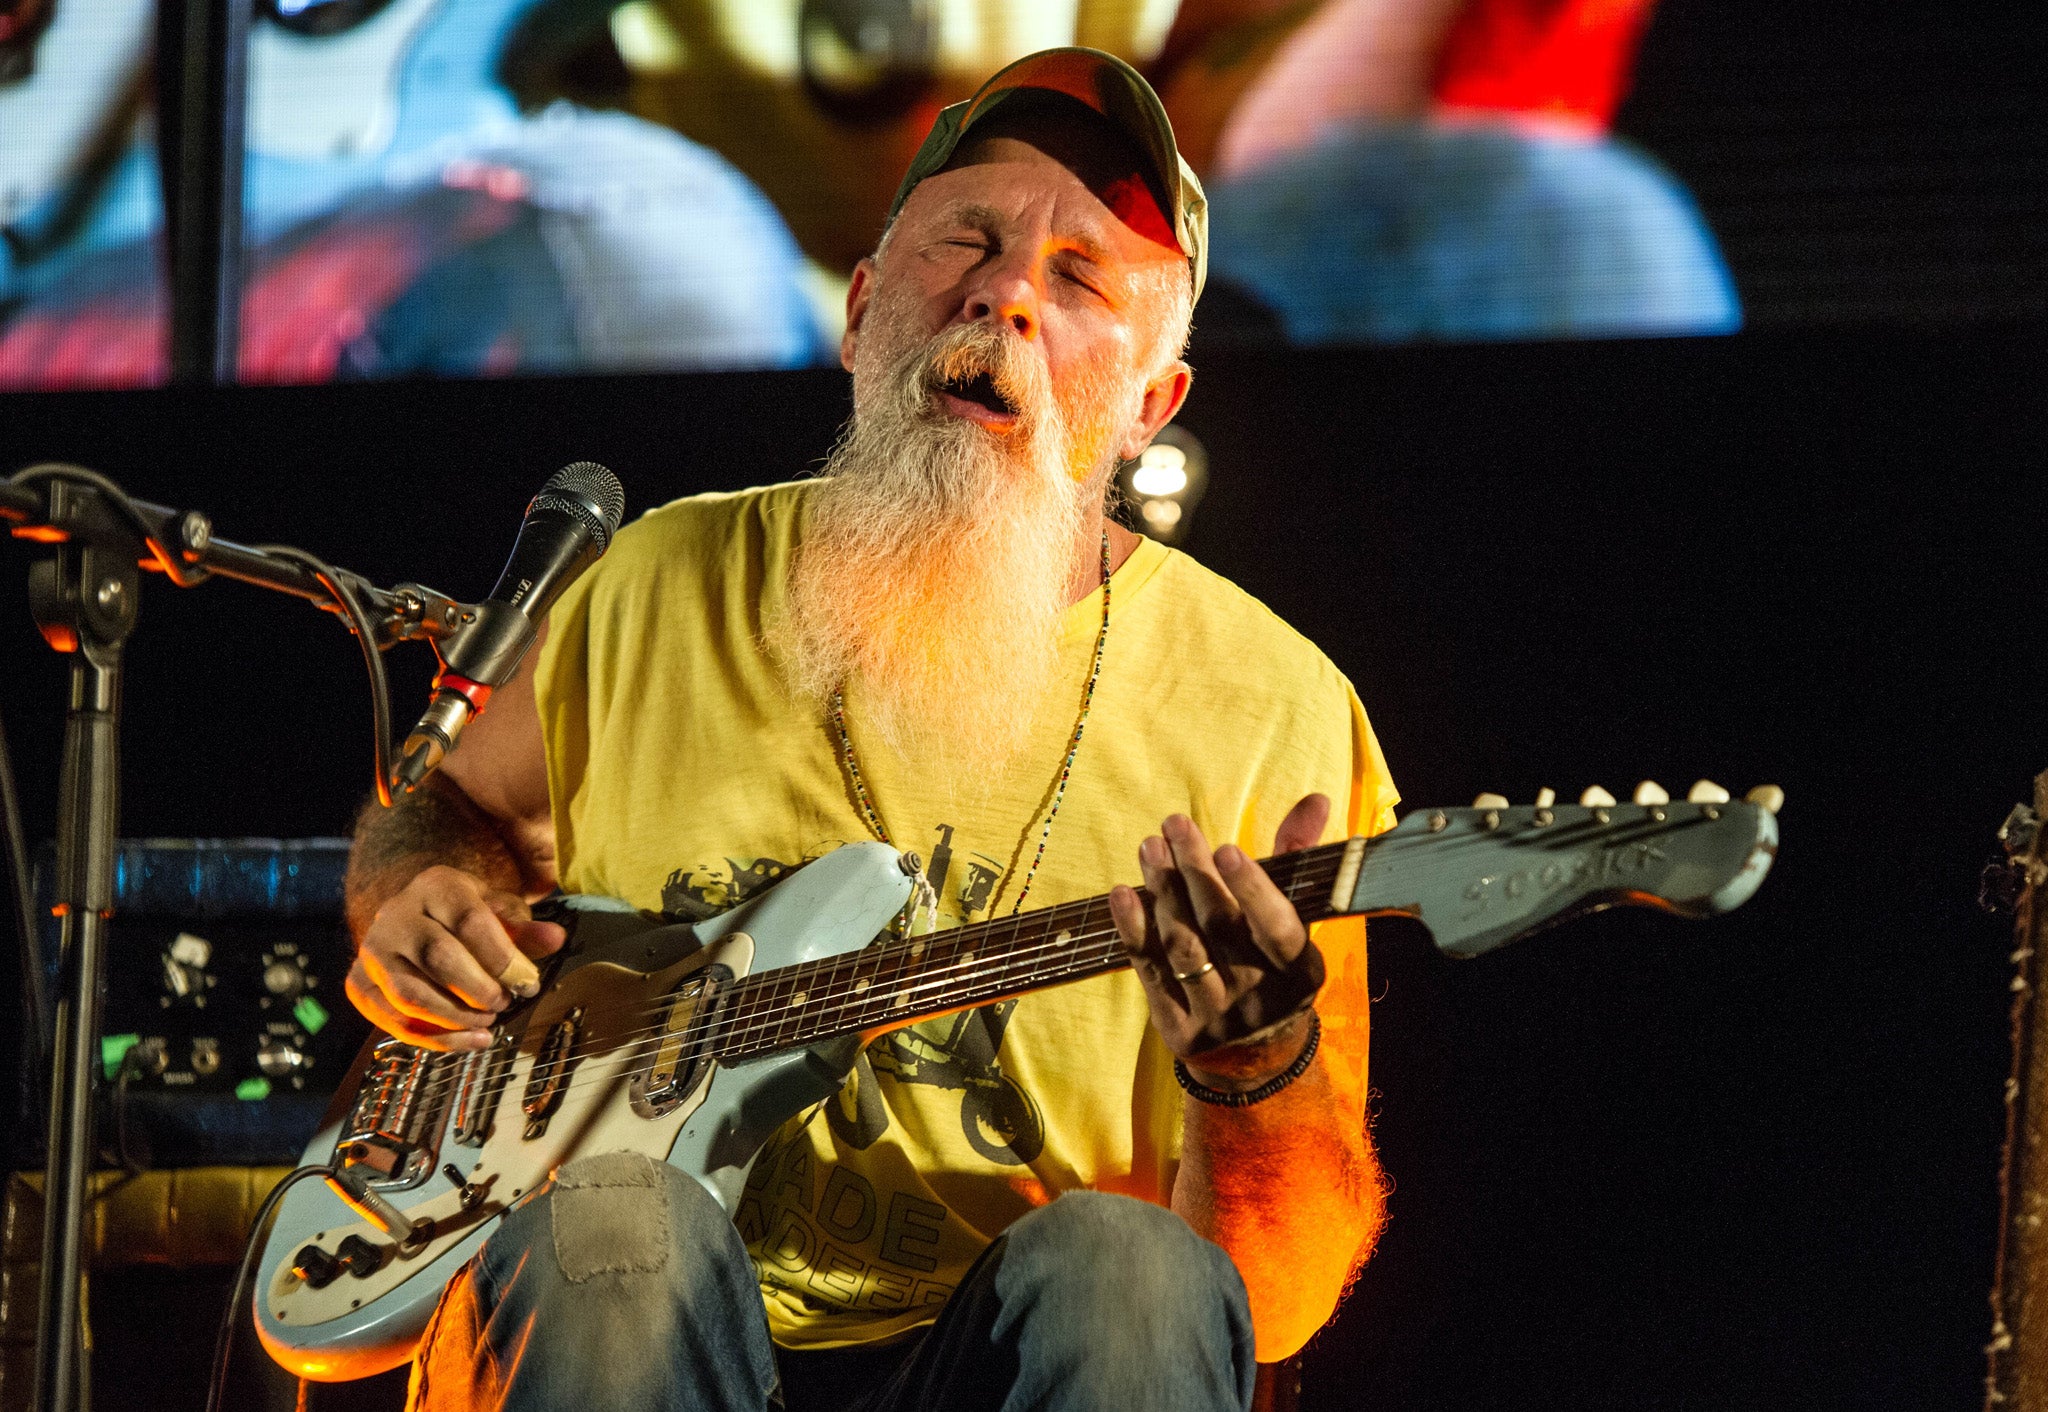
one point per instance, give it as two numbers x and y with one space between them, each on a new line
480 187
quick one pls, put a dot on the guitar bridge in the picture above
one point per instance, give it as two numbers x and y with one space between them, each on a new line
681 1051
393 1135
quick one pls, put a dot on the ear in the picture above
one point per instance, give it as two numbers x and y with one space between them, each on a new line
858 291
1163 398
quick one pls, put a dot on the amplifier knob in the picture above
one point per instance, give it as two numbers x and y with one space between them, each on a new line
285 978
279 1058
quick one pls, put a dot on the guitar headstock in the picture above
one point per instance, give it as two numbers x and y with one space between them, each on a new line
1483 876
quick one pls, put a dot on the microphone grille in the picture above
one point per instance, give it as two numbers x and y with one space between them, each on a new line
596 488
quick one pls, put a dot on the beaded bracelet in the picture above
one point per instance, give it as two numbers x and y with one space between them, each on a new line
1223 1099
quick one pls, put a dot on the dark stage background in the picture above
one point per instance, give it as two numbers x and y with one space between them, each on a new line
1638 1162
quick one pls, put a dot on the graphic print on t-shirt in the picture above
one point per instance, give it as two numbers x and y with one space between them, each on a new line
998 1118
692 894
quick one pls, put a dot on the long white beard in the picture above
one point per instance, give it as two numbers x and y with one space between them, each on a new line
936 566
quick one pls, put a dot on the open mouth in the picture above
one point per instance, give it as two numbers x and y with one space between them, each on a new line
980 389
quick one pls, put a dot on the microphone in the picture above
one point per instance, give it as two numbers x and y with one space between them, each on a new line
567 527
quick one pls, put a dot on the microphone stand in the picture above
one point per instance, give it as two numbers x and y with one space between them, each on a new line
83 599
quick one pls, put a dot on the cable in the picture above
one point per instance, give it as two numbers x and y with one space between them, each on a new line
22 916
223 1341
330 579
130 1070
366 638
174 570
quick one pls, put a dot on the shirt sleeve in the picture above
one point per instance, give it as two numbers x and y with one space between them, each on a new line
1344 1005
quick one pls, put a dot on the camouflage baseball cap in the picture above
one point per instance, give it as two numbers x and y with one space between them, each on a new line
1112 88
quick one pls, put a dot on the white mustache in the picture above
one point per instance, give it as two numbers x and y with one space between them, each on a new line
982 349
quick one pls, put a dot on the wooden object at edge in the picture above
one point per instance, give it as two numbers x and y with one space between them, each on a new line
2016 1379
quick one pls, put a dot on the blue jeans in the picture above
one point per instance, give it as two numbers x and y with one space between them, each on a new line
625 1285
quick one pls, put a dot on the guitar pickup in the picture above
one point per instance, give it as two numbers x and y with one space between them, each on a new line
547 1082
682 1049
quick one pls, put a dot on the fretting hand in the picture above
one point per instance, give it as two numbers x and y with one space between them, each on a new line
1228 969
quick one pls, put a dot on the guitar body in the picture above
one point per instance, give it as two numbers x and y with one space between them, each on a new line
588 1053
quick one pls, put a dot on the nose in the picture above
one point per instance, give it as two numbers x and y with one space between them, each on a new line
1004 290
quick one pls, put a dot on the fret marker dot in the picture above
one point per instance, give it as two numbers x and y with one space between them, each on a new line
860 985
1063 938
967 958
916 949
903 998
799 998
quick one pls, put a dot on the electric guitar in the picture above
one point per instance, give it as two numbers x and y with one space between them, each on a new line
695 1043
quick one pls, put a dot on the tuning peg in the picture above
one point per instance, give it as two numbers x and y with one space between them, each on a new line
1490 801
1767 797
1596 798
1545 798
1650 792
1706 792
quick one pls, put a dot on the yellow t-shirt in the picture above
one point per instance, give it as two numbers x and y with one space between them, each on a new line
685 776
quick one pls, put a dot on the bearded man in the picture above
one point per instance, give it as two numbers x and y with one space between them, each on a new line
942 643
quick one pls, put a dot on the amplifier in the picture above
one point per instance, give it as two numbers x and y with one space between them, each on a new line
224 1023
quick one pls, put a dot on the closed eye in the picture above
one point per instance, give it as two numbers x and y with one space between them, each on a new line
1080 281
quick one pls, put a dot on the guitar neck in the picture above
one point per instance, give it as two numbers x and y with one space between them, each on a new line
961 967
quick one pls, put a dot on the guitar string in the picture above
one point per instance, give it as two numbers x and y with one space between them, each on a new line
628 1055
771 1014
759 995
764 998
1103 960
697 1039
762 1013
757 999
728 1034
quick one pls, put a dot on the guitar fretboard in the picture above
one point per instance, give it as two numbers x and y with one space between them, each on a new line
955 969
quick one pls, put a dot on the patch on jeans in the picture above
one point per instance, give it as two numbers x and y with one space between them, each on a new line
610 1216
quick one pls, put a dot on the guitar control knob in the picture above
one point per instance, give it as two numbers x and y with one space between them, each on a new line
1706 792
358 1256
316 1266
1652 793
1596 798
284 978
1490 801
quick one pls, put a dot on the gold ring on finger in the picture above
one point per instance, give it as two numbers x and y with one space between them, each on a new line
1202 970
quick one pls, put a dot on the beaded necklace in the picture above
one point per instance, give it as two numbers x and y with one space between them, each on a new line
867 805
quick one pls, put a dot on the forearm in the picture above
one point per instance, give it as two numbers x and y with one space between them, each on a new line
1290 1188
436 824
